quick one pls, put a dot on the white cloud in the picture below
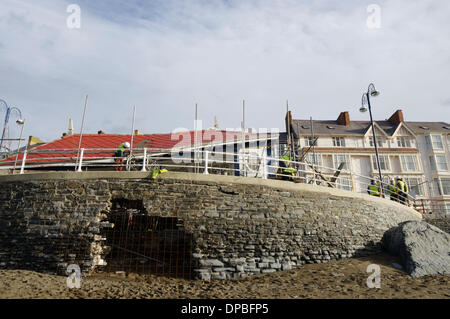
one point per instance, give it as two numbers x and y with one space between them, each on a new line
166 57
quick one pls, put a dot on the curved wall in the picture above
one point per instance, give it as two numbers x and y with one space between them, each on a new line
237 226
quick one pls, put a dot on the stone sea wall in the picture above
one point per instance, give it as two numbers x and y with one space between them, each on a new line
238 226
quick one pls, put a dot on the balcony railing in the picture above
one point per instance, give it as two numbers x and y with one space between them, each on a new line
253 163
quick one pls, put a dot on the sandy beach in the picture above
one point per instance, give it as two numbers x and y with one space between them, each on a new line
337 279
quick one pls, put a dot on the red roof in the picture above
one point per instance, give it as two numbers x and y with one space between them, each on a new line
65 148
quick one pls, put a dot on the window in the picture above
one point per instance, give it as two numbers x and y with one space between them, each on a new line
315 159
437 187
437 142
438 162
344 183
338 159
309 141
384 162
380 141
409 163
441 162
403 141
444 187
415 186
433 142
428 142
432 163
445 182
339 141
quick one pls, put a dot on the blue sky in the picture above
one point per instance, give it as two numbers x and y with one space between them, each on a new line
165 56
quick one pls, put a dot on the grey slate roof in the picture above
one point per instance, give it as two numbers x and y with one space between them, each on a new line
358 128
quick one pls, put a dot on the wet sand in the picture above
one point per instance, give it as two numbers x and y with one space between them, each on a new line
338 279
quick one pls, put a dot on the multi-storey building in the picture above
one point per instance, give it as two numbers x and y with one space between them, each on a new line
419 152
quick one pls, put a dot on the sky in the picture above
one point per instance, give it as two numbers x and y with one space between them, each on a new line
165 56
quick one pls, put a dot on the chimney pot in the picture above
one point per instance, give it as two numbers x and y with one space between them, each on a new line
70 131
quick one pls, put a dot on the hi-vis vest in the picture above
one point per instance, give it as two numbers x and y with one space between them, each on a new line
373 190
403 187
120 149
286 159
393 189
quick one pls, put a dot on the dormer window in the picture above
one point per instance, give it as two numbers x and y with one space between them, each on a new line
403 141
380 141
309 141
424 127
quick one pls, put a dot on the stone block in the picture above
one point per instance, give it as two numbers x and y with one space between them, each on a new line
211 263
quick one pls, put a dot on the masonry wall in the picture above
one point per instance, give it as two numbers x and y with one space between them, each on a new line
239 226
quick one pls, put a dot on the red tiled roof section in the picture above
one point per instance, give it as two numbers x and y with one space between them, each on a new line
66 147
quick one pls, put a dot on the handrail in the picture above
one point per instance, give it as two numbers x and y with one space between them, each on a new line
241 162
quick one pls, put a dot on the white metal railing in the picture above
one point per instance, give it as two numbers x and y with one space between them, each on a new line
241 164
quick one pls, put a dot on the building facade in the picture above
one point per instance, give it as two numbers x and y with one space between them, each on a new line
419 152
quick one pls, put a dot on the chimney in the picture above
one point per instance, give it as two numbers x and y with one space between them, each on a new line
137 132
397 117
344 119
70 131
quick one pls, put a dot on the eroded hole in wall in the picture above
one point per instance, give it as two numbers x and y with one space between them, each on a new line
145 244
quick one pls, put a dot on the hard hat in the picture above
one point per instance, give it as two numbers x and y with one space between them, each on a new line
126 144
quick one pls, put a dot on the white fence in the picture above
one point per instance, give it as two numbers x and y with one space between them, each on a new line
250 163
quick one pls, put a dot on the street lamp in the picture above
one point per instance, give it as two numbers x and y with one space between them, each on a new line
365 104
9 110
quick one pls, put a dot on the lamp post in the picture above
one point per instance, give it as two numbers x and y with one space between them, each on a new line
371 91
22 123
9 110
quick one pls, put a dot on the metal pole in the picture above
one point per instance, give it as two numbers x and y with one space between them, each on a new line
81 160
243 137
132 130
375 143
195 140
313 145
288 124
4 125
22 168
144 161
18 147
264 162
81 130
206 163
